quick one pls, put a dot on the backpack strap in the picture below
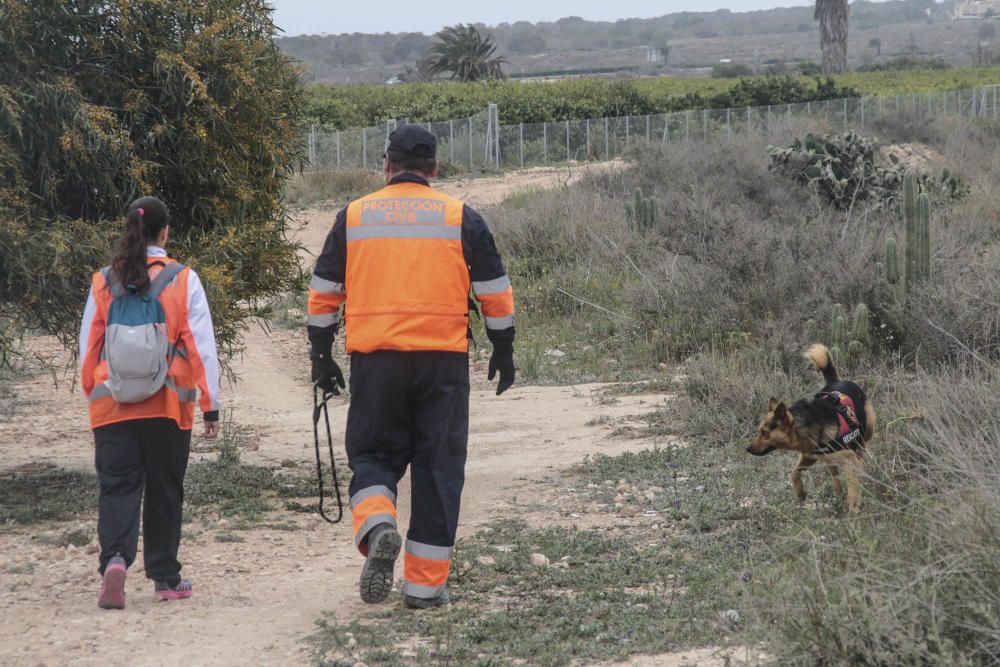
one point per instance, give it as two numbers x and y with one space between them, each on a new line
163 278
112 281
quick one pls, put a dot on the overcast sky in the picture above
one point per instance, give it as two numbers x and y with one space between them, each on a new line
298 17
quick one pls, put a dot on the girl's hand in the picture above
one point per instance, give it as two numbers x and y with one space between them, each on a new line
212 430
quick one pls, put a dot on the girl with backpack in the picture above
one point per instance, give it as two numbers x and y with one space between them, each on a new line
147 347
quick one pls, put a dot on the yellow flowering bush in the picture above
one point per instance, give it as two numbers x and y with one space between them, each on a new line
100 103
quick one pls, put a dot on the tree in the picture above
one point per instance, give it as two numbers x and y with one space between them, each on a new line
102 101
875 43
832 16
464 52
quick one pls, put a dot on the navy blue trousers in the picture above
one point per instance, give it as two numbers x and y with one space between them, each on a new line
411 409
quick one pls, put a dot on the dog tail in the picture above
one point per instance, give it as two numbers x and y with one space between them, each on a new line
820 356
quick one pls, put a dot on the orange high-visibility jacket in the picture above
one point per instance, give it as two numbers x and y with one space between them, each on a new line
402 261
194 367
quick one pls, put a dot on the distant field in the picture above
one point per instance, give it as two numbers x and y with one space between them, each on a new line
340 107
952 41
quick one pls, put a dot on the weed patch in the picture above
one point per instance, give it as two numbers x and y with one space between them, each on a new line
58 495
228 487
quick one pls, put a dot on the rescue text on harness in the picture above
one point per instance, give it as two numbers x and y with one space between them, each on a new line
849 435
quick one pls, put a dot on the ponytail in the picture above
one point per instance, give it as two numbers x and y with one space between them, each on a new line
145 219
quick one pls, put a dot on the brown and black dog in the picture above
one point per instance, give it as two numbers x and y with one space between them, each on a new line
833 428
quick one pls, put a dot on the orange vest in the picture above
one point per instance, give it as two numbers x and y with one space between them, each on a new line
176 400
407 281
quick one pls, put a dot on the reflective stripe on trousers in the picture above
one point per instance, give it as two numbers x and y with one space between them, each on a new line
426 569
370 507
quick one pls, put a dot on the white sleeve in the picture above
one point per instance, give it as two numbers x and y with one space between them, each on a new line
200 323
88 318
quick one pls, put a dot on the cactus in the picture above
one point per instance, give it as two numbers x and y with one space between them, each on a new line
860 328
891 262
916 215
839 331
923 268
910 222
641 211
855 350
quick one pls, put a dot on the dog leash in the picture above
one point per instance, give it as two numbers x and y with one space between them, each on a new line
320 408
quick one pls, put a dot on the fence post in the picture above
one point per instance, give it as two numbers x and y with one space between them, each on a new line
471 158
687 125
704 124
338 149
845 113
647 129
666 129
994 101
729 127
451 140
607 140
809 108
626 132
749 124
364 147
521 143
788 112
567 140
588 139
862 113
768 120
545 142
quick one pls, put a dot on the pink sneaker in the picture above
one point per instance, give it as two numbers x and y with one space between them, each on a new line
179 591
112 594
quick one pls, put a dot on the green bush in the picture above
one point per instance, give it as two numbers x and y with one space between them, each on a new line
341 107
103 102
351 106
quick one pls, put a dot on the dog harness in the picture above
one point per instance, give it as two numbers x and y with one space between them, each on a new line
849 436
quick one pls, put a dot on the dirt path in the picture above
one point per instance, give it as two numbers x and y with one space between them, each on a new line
258 599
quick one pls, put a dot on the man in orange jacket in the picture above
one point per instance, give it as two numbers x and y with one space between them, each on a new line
402 261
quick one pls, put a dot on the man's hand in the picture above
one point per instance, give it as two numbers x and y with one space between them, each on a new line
502 360
212 430
326 374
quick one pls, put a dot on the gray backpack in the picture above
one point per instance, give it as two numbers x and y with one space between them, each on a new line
136 343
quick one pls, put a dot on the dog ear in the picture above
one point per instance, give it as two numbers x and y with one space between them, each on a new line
772 404
781 412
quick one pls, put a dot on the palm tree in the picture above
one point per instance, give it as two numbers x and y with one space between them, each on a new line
464 52
832 16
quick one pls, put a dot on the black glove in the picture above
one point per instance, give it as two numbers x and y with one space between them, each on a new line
326 374
502 360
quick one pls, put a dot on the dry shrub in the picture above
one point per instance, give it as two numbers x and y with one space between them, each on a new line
309 187
738 254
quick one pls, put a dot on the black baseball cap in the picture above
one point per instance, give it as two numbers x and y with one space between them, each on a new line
413 140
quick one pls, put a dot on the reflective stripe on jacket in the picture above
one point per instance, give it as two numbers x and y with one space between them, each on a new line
403 260
194 366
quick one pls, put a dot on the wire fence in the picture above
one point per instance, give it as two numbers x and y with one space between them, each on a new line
480 144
